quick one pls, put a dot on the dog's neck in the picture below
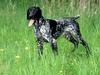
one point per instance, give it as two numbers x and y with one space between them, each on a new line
39 21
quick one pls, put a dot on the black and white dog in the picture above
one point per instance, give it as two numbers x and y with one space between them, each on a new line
49 30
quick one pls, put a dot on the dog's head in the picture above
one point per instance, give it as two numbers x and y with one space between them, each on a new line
33 14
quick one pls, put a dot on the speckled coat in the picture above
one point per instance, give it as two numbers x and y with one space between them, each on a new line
49 30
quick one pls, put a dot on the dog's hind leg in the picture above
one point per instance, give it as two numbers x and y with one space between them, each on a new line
75 44
84 43
72 40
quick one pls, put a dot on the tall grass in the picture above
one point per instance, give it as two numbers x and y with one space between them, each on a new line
18 50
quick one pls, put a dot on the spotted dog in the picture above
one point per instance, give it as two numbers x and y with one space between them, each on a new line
48 30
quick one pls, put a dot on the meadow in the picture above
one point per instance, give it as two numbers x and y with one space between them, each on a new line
18 49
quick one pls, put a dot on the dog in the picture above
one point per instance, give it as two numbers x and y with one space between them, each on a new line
48 30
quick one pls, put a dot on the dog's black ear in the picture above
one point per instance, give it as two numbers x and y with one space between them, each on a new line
39 13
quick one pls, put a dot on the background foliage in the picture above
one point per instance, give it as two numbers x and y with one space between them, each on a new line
18 51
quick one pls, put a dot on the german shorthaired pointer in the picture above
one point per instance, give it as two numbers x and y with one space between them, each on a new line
48 30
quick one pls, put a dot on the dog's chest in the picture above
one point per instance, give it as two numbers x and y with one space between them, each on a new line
44 28
43 31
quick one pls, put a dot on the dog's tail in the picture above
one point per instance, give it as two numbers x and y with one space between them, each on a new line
75 17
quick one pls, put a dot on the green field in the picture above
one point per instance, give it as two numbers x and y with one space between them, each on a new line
18 49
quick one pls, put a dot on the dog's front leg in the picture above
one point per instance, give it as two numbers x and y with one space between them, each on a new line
40 47
54 46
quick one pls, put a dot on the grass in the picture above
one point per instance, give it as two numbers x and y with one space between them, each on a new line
18 51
